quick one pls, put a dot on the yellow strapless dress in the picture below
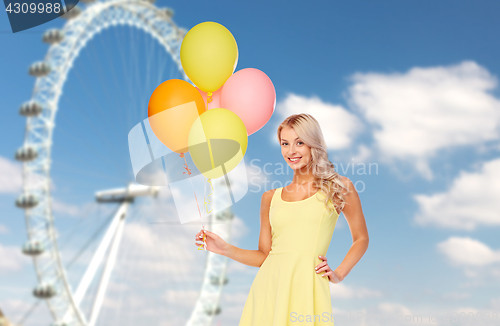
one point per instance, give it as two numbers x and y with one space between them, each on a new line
287 290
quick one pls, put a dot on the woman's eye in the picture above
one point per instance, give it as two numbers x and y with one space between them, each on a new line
300 142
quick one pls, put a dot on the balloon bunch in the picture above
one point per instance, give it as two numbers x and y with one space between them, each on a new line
213 119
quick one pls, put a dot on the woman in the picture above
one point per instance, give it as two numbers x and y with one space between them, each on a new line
297 223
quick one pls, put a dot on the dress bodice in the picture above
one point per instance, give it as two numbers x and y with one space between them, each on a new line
304 226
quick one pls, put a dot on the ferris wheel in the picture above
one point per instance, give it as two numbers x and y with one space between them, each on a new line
104 280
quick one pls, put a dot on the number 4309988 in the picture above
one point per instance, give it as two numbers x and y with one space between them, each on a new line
25 8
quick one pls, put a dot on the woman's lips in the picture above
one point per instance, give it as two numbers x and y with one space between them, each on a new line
296 161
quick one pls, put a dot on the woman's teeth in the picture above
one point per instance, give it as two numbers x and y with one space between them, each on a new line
294 160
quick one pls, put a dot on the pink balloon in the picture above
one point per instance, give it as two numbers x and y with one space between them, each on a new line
251 95
215 98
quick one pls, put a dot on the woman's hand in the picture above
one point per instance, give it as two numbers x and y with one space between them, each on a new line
333 276
214 243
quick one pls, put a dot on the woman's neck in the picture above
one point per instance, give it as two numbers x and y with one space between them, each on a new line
302 178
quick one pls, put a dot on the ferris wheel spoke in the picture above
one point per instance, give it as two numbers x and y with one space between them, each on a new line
132 69
112 106
103 138
87 244
109 103
81 226
99 254
127 105
28 313
126 70
107 273
99 295
129 255
128 264
151 55
111 65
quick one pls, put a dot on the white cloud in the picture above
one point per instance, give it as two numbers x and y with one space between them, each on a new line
180 297
338 125
394 308
12 259
495 303
495 272
479 276
343 291
234 267
65 209
471 201
16 309
455 295
10 176
364 153
396 314
157 247
232 307
470 311
417 113
239 230
3 229
465 251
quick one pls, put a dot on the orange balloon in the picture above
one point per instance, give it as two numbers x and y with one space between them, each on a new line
173 107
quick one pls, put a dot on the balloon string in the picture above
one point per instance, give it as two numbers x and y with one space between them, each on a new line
204 245
207 200
185 165
209 98
197 205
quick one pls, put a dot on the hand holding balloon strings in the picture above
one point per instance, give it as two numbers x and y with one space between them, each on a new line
188 172
206 202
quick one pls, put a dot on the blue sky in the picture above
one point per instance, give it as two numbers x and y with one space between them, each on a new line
410 86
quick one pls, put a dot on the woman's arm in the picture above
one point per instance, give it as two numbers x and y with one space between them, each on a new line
357 224
256 257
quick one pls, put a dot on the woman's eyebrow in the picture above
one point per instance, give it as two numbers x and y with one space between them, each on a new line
282 139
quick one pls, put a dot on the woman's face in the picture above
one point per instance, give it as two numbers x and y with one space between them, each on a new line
295 152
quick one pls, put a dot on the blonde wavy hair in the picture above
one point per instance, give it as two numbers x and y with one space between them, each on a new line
327 180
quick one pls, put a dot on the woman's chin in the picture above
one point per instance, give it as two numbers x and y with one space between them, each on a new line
296 166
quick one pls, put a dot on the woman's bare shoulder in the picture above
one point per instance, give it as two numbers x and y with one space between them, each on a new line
265 204
268 195
345 181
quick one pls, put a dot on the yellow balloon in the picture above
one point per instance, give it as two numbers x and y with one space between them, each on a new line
217 142
209 55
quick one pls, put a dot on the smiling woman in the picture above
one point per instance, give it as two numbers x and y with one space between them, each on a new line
297 224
